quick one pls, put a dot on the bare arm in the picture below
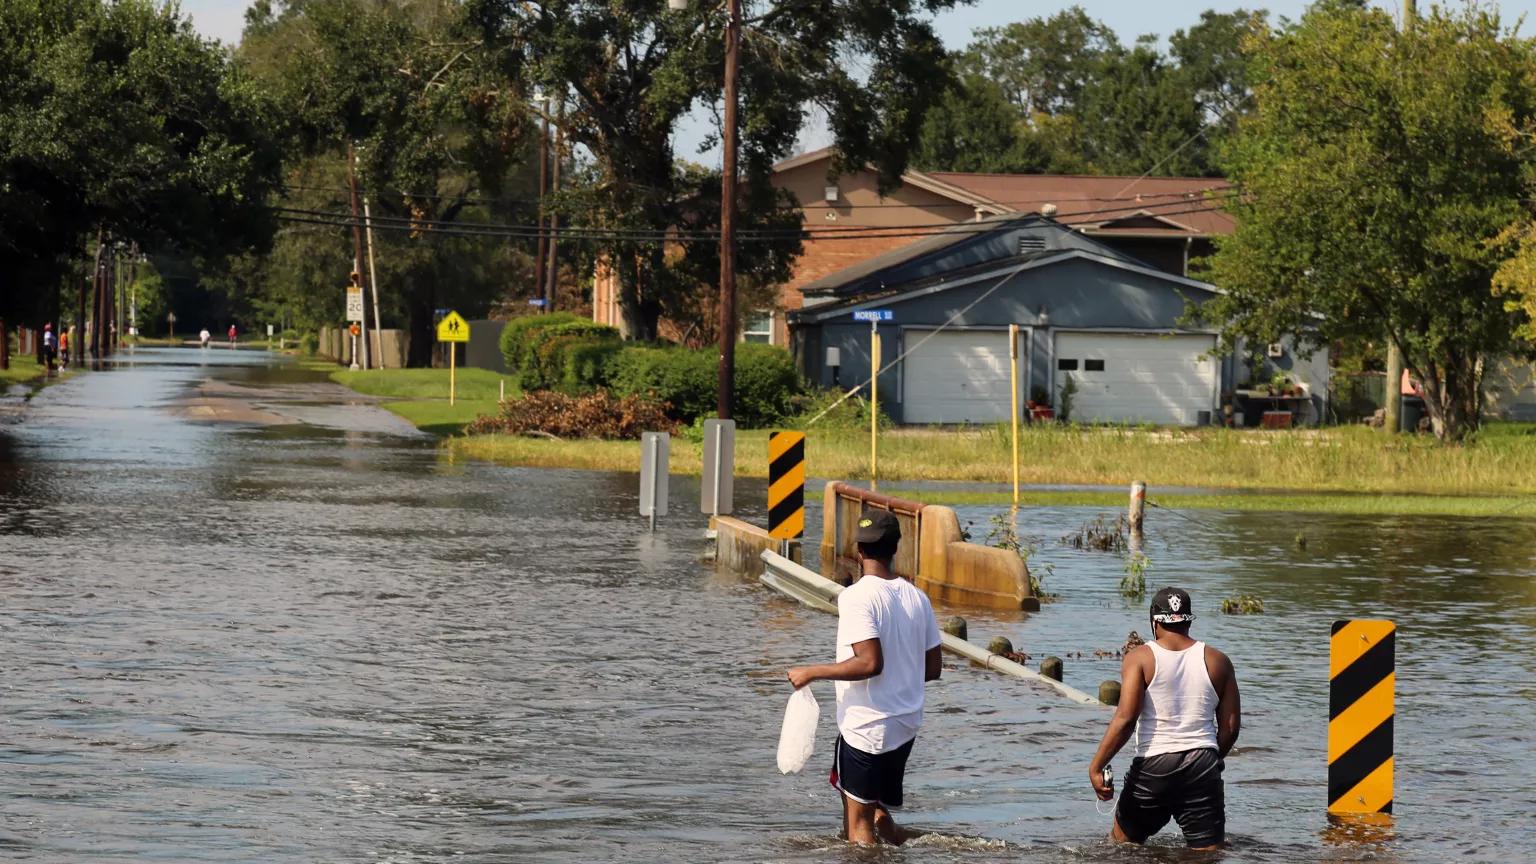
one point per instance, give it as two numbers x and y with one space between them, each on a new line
1133 688
867 662
933 664
1229 705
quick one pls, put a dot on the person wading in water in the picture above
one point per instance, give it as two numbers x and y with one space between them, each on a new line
887 649
1180 698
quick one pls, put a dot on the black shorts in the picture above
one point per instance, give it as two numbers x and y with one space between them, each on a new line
1185 786
870 778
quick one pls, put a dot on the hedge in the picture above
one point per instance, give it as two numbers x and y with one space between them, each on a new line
766 381
536 350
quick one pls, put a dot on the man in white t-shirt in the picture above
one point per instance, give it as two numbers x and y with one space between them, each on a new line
887 648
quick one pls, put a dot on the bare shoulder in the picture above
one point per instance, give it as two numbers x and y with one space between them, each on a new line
1218 664
1141 657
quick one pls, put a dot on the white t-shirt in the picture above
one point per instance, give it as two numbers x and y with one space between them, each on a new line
884 712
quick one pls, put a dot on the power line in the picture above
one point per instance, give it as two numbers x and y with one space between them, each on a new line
851 232
1217 185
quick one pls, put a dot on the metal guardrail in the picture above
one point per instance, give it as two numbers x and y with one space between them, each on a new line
812 589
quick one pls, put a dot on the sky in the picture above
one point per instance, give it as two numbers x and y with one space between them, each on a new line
222 20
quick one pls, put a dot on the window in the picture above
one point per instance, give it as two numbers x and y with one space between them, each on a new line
759 328
1093 365
1064 365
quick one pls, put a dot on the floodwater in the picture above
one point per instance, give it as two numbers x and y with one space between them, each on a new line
296 633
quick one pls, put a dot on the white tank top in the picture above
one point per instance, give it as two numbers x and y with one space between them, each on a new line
1179 711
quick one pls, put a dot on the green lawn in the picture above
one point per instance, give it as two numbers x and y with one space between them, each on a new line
25 370
421 395
440 418
1347 469
472 384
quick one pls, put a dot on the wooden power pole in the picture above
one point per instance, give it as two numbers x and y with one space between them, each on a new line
1394 399
725 394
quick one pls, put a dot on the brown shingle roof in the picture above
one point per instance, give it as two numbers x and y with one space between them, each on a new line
1172 206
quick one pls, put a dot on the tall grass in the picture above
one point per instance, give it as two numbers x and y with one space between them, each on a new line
1500 462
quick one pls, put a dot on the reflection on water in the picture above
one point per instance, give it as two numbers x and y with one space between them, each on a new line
298 643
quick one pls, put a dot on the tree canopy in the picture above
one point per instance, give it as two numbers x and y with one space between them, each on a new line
1063 94
1382 171
631 71
119 118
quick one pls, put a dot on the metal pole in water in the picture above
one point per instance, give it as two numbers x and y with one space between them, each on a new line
1013 389
714 504
655 475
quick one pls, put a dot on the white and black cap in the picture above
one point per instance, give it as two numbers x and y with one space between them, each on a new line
1172 606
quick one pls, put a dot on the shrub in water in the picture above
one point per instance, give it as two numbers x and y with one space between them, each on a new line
594 415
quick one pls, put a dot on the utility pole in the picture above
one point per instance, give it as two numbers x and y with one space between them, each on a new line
1393 418
96 280
373 282
553 270
77 343
357 238
728 216
540 263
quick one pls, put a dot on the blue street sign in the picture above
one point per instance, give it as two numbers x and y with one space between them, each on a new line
537 301
874 315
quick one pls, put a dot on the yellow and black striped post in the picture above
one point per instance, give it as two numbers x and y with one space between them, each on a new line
1361 679
786 485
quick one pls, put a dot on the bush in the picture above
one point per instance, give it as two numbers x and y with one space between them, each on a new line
684 379
766 384
310 342
594 415
536 352
519 335
851 413
766 381
587 365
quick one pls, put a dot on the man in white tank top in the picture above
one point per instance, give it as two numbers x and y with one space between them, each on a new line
1180 699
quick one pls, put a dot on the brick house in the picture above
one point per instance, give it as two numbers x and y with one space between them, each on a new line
1158 220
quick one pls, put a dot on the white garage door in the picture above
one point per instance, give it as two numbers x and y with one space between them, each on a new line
958 376
1133 378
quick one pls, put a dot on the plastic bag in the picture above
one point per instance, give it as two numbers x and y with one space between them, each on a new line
797 739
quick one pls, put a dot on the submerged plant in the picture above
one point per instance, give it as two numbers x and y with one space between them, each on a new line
1242 604
1004 534
1100 535
1134 583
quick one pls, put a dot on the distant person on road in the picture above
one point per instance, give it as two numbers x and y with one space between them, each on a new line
205 337
231 335
887 648
50 347
1180 697
64 347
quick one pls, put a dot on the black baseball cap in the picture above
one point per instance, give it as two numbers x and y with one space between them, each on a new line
1172 606
877 526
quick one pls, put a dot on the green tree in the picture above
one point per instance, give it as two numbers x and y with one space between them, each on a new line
1138 114
1382 173
632 70
439 141
1043 64
118 117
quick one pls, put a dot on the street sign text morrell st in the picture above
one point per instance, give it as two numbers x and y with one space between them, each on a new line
874 315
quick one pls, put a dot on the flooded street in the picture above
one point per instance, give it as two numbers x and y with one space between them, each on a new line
247 623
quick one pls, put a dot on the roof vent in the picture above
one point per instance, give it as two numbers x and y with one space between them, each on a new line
1031 243
1047 209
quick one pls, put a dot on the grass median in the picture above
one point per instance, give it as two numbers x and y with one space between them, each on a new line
421 395
1347 469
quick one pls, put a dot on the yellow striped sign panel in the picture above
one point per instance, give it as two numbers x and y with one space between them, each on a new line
1361 680
786 485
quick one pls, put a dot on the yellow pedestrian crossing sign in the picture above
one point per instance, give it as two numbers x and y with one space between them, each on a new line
453 328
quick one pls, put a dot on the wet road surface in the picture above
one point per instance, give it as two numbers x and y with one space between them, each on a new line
311 638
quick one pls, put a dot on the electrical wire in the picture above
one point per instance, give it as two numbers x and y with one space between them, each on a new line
488 229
